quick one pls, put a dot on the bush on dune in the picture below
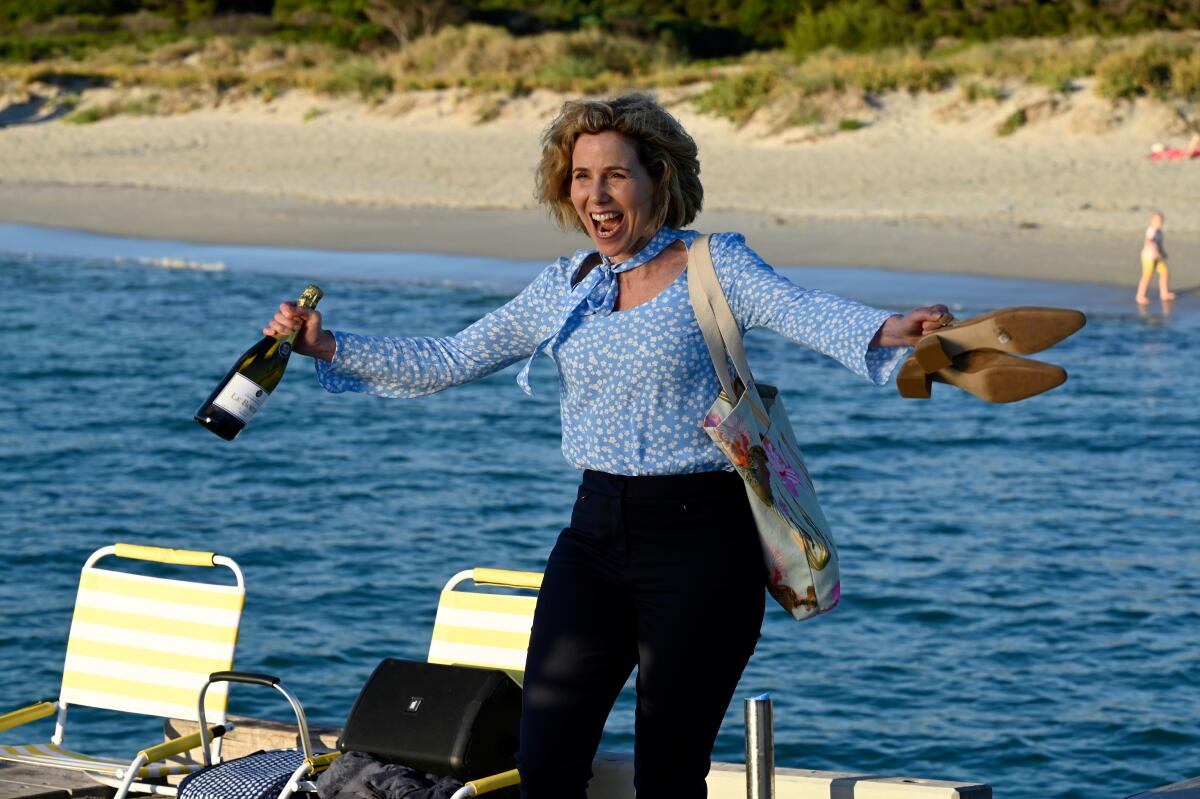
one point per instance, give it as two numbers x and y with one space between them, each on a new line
1185 77
861 25
363 77
739 94
736 97
1158 66
486 57
853 26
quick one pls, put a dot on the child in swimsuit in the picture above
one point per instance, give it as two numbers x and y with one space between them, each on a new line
1154 258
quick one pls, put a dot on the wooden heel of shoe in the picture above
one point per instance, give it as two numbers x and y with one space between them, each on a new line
930 353
912 381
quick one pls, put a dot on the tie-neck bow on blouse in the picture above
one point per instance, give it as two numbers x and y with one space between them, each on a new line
596 292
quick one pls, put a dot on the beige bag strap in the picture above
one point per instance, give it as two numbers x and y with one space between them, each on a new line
705 315
720 329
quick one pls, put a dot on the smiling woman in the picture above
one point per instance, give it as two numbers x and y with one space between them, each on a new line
612 193
641 138
613 197
660 567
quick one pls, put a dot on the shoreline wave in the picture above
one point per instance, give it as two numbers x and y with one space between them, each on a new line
887 287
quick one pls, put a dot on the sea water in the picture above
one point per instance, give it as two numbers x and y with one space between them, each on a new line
1021 604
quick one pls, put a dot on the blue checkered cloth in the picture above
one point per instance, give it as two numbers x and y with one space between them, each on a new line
261 775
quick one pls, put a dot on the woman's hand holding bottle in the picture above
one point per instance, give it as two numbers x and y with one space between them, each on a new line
245 387
311 339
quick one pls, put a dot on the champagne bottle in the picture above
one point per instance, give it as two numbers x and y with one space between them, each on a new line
253 377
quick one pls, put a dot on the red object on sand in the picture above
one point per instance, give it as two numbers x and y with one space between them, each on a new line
1173 154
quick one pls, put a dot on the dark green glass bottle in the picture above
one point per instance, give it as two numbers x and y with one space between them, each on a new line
253 377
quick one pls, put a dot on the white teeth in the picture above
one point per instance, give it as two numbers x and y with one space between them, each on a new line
605 217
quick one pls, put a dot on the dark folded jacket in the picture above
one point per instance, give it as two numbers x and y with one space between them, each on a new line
356 775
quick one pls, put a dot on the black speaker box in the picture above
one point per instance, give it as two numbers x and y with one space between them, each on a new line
454 721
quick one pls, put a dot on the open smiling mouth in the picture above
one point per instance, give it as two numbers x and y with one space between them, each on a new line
607 224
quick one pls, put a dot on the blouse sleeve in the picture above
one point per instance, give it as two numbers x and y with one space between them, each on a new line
825 322
388 366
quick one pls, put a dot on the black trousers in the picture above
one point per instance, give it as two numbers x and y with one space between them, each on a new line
662 573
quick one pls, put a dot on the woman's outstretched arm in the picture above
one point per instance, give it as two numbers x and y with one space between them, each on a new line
868 341
390 366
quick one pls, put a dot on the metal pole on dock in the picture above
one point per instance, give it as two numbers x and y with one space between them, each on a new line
760 748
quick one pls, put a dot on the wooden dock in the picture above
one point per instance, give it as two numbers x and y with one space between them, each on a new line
33 782
613 774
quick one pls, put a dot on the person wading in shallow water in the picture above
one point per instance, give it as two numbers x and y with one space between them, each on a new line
660 567
1154 259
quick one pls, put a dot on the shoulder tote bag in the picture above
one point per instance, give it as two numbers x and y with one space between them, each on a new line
748 424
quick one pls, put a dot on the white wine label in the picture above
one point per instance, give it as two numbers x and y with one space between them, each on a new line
242 397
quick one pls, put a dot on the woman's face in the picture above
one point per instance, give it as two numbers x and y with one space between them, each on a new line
612 193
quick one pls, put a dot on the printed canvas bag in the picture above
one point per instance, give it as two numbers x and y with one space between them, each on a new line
748 423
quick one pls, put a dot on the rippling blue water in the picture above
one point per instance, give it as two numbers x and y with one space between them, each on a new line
1021 602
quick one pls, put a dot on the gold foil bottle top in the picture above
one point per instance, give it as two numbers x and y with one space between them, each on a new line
310 296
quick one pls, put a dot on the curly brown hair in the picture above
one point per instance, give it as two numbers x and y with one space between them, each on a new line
664 148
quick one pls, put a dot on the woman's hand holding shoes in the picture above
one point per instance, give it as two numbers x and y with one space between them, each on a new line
907 330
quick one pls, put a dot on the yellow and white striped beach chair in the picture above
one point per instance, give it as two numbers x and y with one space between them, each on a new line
474 628
489 630
146 645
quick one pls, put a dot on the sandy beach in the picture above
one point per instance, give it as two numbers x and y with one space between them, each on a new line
926 186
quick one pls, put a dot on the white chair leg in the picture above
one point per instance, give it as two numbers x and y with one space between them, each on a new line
294 781
130 775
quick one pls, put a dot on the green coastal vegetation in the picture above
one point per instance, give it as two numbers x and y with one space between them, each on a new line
741 56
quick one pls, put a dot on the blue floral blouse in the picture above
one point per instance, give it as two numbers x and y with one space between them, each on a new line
634 384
